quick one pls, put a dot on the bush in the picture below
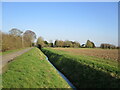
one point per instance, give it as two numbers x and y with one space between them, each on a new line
89 44
67 43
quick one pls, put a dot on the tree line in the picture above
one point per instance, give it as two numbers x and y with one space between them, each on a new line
108 46
72 44
17 39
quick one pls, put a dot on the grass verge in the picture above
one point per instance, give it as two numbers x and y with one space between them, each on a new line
31 70
10 51
85 71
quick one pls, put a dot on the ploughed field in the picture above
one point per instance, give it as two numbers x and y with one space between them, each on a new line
101 53
86 68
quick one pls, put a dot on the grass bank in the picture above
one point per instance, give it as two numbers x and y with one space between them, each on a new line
31 70
85 71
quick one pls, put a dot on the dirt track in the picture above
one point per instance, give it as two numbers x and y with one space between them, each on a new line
9 57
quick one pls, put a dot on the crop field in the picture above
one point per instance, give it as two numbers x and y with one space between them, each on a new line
101 53
31 70
85 68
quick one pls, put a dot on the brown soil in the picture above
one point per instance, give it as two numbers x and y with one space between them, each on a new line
102 53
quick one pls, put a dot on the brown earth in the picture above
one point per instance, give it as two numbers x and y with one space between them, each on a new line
101 53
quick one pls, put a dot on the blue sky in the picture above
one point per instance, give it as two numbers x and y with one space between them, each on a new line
77 21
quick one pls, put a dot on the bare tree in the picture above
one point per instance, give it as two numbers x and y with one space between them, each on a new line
29 36
15 32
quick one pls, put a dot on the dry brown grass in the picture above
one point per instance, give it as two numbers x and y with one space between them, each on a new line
101 53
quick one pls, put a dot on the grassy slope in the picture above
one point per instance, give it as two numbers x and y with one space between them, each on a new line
85 71
31 70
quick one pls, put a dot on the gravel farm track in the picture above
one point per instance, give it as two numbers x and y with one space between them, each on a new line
9 57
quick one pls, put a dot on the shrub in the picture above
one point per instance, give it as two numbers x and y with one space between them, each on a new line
89 44
10 42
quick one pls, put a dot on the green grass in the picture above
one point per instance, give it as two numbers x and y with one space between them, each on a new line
85 71
10 51
31 70
87 59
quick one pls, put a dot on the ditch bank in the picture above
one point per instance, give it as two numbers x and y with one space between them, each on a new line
31 70
62 75
79 74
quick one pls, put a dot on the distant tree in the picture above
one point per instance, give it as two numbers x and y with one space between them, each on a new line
46 43
67 43
15 32
89 44
76 44
60 43
30 34
56 43
50 45
40 41
107 46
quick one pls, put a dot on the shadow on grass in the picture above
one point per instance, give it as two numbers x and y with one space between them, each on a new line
82 76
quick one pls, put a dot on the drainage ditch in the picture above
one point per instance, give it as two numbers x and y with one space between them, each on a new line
62 75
